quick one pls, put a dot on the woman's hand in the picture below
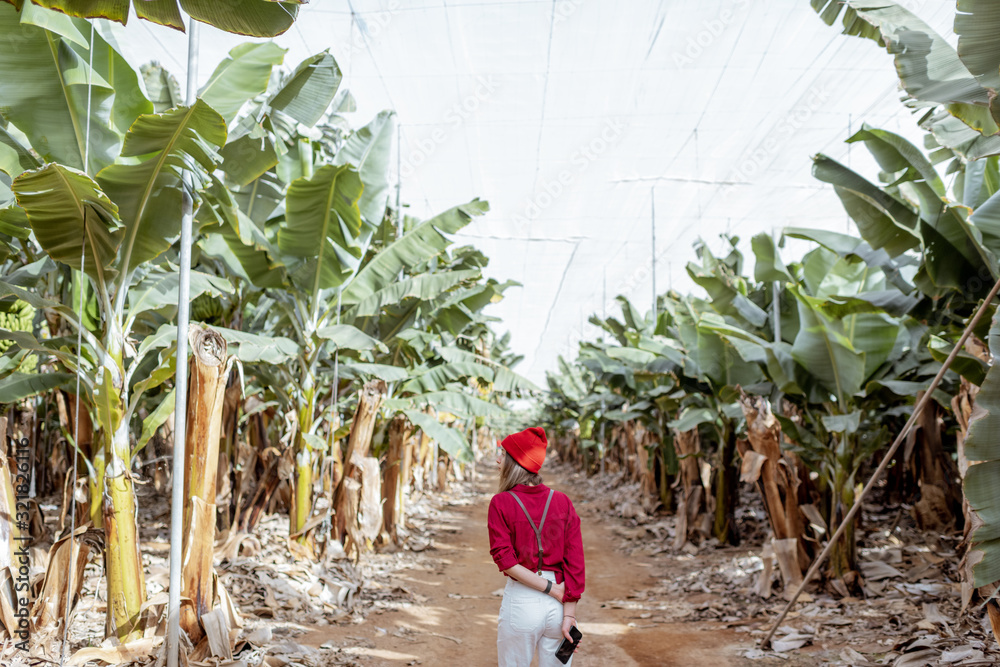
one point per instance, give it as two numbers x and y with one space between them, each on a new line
558 591
568 622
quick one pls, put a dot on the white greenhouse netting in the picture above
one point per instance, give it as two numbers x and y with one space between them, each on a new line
571 116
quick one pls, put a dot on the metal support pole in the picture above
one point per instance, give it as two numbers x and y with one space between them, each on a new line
399 179
181 382
776 310
604 444
652 228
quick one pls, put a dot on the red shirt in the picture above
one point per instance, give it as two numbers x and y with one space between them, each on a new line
512 541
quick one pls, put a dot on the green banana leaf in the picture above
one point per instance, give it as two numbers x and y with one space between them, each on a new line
368 149
895 154
424 286
257 18
823 349
64 207
309 91
322 224
347 337
242 76
769 266
424 241
252 348
17 385
43 92
449 439
150 193
982 449
929 68
882 220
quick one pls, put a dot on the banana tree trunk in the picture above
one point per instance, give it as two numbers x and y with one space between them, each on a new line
962 404
9 535
764 464
392 486
123 562
302 500
405 473
362 427
692 502
226 479
208 372
726 491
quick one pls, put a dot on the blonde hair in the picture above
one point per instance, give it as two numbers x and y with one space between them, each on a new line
512 474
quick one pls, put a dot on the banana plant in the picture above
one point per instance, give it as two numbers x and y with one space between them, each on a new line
843 342
959 85
259 18
107 202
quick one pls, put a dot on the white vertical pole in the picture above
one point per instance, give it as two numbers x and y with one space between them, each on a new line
652 228
181 381
399 179
775 304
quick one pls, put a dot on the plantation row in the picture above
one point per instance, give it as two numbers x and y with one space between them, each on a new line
339 357
796 378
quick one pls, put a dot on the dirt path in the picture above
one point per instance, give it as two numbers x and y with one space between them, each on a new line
453 621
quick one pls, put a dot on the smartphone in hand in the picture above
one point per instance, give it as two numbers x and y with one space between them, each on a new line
565 651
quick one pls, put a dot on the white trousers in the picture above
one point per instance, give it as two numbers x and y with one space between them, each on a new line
530 620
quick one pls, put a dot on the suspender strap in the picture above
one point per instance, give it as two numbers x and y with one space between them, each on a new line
538 530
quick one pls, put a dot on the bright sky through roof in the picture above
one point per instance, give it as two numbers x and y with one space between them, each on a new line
572 117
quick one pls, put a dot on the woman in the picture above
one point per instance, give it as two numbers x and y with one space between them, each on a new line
535 541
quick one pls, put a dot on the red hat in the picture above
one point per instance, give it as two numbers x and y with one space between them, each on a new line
527 448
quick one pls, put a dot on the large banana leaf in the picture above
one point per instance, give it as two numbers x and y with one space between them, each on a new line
769 266
423 286
151 194
256 18
449 439
247 158
503 378
257 261
726 296
242 76
368 150
883 220
259 18
929 68
981 488
823 349
977 24
895 154
67 210
347 337
848 246
322 224
159 289
424 241
906 162
261 198
17 385
43 92
251 348
709 355
14 156
310 90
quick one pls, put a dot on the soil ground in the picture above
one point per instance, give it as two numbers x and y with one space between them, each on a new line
455 584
